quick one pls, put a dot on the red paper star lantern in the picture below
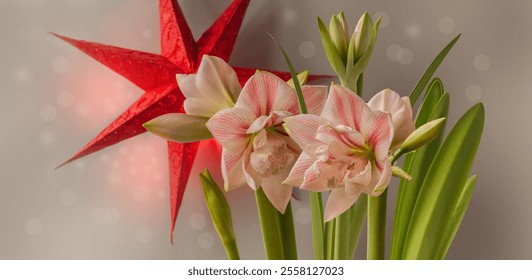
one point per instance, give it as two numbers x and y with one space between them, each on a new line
155 74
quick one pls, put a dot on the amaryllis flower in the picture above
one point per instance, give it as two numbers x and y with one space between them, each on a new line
400 111
215 87
256 149
345 150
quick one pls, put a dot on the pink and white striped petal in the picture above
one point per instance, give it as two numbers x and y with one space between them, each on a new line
338 202
315 97
344 107
315 179
263 91
252 177
302 129
275 118
341 134
232 169
278 194
359 179
229 127
379 136
297 174
401 112
383 177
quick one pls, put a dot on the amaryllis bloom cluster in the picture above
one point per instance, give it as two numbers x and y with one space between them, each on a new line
346 149
247 122
256 149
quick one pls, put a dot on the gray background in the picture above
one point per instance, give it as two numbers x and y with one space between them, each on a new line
114 204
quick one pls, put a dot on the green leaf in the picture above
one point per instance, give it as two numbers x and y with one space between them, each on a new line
458 216
302 77
220 214
416 164
430 71
295 80
288 236
342 236
318 231
330 228
270 226
358 217
431 97
443 187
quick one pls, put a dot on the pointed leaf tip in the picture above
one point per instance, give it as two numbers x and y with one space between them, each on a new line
431 69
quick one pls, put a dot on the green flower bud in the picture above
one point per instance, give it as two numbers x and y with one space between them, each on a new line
338 32
363 35
399 172
180 128
220 213
332 52
422 135
348 58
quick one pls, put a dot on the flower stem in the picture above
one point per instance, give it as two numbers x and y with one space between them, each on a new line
270 225
360 84
288 235
329 239
377 226
231 250
341 236
316 206
359 211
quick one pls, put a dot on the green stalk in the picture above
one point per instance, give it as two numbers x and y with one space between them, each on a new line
377 226
220 214
231 250
288 234
342 236
271 227
358 216
329 239
360 84
317 225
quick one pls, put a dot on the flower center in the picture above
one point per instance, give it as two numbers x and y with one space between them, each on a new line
271 153
365 152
